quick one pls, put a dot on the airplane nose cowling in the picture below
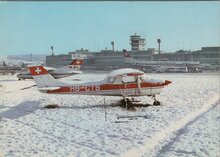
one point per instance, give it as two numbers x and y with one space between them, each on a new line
167 82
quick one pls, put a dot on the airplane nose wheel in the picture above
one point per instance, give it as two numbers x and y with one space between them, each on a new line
156 103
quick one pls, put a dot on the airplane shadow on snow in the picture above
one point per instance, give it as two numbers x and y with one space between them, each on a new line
117 104
21 110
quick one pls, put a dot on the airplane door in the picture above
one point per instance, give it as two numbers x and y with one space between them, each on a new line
123 86
139 84
126 82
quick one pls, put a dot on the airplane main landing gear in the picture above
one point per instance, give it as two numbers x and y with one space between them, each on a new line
130 104
127 103
156 103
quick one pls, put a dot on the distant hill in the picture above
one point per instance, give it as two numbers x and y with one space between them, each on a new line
28 57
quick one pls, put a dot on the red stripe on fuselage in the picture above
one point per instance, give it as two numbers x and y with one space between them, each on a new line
103 87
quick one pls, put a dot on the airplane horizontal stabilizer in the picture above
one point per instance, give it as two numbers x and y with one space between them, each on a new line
48 88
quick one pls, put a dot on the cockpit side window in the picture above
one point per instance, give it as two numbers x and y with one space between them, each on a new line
143 78
111 79
129 79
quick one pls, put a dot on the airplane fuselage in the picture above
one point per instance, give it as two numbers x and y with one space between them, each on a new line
126 90
121 82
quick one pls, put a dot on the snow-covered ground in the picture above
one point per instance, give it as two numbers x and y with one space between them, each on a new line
186 124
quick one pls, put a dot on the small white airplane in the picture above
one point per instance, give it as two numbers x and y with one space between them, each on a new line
123 82
6 69
57 73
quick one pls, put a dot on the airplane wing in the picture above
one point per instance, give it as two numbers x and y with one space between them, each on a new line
27 87
76 72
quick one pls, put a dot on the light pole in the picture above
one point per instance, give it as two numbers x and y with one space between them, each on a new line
52 50
113 44
158 41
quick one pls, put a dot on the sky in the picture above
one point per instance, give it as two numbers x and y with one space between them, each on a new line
33 27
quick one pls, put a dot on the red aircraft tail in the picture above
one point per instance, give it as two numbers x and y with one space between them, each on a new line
127 57
76 64
126 54
42 78
4 64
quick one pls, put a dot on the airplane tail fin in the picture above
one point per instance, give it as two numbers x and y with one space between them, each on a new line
127 56
76 64
4 64
42 78
23 65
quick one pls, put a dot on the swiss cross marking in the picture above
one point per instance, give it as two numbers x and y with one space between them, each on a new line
77 62
37 70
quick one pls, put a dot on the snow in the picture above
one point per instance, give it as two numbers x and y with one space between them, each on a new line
125 71
189 137
186 124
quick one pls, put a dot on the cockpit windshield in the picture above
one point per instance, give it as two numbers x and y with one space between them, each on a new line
111 79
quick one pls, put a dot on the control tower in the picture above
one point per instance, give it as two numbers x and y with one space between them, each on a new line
137 43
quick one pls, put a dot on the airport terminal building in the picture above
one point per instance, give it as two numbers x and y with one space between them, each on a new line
111 59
